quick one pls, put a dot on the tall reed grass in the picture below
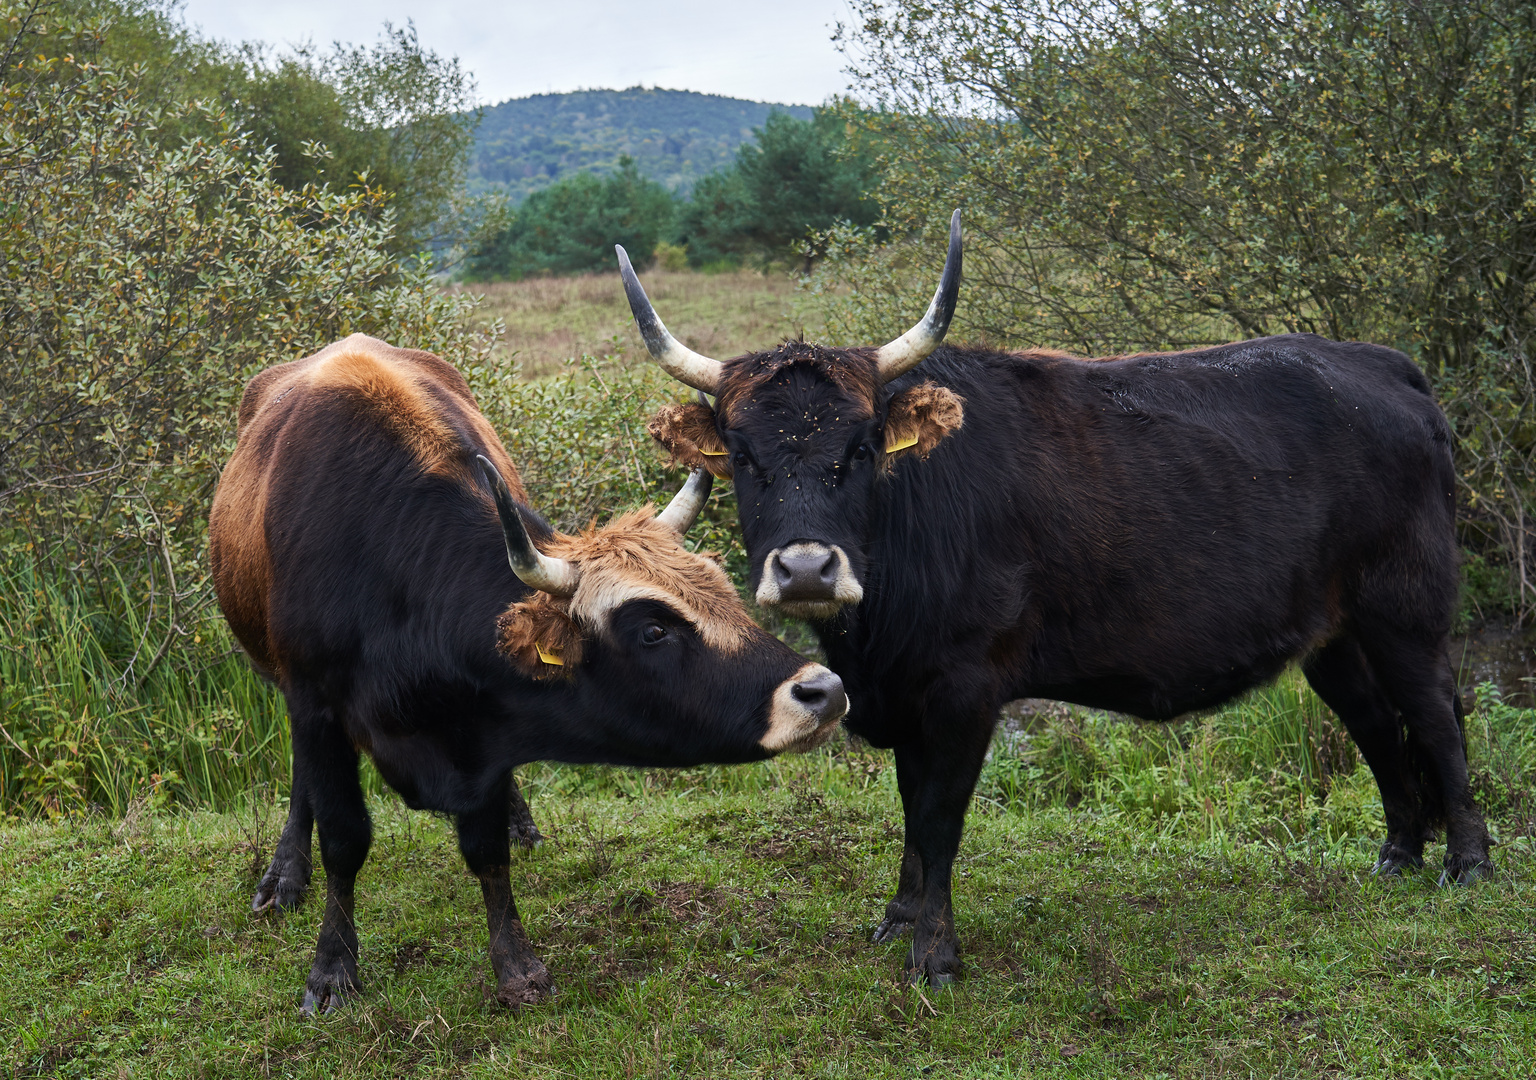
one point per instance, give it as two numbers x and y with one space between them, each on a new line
81 728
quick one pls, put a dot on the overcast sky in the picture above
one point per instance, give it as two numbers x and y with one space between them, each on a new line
765 50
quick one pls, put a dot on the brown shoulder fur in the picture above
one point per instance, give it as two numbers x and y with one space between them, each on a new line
689 435
921 416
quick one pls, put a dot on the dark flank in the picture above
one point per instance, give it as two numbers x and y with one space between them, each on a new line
1151 534
361 538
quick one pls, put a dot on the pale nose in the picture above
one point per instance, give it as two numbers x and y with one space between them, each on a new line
805 572
822 696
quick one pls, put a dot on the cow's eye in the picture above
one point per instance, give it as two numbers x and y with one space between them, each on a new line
864 452
653 633
740 460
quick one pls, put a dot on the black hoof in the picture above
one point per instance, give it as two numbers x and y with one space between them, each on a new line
279 892
1395 859
1468 872
330 999
890 929
944 978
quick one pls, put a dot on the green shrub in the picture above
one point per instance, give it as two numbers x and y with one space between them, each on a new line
799 178
572 226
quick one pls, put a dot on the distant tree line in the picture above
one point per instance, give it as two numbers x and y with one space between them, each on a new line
794 183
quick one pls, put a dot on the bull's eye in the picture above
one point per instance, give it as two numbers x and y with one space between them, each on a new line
653 633
864 452
740 460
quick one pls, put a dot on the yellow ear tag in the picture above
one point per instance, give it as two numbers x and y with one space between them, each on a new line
549 657
900 444
713 453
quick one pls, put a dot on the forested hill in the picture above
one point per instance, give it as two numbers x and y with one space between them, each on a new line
675 136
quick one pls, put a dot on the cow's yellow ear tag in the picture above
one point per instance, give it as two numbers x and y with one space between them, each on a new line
900 444
547 656
713 453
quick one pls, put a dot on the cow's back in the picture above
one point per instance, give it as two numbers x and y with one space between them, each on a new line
315 436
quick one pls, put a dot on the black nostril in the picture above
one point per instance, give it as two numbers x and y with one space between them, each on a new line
829 569
822 695
810 695
781 573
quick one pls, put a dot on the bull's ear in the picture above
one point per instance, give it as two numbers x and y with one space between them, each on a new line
919 418
690 436
539 638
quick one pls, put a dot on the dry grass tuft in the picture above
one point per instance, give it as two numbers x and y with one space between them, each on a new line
550 320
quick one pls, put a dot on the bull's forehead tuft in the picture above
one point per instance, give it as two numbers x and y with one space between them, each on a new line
800 378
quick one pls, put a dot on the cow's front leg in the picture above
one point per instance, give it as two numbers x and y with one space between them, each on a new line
521 977
902 909
954 753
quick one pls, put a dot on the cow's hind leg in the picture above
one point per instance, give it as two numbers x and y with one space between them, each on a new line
521 977
1417 678
523 831
901 912
327 762
1343 678
287 878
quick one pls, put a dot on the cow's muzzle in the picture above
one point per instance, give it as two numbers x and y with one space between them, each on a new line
805 710
808 580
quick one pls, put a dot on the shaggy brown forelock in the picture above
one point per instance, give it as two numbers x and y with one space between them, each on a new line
632 557
853 371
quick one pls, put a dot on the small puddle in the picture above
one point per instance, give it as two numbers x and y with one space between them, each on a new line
1502 655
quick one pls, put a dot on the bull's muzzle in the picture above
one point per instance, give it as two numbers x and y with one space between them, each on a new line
806 709
808 580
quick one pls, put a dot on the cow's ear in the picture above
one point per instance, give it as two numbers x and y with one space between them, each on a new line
539 637
690 436
919 418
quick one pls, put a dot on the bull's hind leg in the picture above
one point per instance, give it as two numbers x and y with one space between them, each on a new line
1343 678
1417 677
287 878
327 763
521 977
901 911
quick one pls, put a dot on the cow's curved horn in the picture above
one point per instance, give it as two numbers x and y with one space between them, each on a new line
555 576
679 361
907 351
684 508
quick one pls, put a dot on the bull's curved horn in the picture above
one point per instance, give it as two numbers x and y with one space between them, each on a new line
558 577
907 351
682 363
684 508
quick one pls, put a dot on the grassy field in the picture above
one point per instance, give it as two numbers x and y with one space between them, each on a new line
1202 910
550 320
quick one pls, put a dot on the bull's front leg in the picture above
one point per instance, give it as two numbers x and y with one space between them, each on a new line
521 977
954 749
902 909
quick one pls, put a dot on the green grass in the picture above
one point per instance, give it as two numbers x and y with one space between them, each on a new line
714 922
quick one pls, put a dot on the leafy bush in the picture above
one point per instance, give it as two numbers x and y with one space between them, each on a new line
142 285
1140 176
571 227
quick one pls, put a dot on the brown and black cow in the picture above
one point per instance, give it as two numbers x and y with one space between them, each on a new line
360 541
1151 534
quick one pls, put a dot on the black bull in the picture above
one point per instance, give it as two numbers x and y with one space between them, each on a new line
1150 534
